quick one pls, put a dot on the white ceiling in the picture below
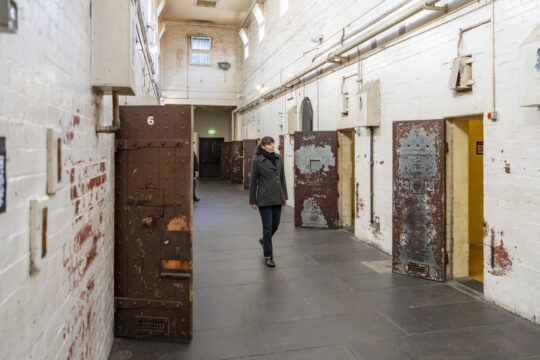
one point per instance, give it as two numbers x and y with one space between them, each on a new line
226 12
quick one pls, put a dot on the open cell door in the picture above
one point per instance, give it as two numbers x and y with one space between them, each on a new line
237 162
153 223
250 146
315 179
418 214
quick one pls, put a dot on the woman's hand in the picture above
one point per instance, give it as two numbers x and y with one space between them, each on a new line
285 203
254 206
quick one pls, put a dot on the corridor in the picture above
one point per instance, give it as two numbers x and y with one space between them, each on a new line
330 297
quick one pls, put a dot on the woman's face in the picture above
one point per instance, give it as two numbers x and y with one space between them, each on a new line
268 147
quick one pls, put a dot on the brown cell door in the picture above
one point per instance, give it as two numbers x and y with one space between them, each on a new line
315 179
210 157
281 147
250 146
237 162
153 223
418 217
226 160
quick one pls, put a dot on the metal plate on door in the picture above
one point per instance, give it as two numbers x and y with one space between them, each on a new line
176 245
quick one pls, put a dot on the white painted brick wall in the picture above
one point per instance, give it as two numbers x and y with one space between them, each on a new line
414 77
65 311
184 83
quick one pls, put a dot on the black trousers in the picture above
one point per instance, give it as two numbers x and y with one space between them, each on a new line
270 216
194 185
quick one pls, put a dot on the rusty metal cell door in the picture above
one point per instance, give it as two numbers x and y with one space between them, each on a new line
237 161
315 179
154 223
226 160
418 214
281 146
250 146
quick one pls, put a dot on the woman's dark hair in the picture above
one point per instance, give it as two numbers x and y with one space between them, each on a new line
264 141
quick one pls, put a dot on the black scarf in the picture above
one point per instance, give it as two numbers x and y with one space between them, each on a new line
270 156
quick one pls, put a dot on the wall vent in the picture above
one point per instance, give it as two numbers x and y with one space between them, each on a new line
153 326
417 269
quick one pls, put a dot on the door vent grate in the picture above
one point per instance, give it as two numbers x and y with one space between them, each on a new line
417 269
152 325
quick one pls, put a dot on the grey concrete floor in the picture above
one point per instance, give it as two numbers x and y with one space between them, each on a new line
330 297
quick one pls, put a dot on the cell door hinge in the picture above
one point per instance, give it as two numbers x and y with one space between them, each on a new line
446 148
338 177
445 258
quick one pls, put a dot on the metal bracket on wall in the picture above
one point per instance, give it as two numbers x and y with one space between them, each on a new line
8 16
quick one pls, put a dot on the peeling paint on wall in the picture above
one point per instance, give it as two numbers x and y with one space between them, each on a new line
360 206
307 156
312 214
500 260
506 167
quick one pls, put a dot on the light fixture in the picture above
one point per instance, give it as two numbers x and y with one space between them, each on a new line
258 13
224 65
243 35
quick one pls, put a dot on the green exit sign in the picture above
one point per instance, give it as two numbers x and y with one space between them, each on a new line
211 132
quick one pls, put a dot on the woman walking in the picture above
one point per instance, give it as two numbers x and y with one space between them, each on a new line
268 192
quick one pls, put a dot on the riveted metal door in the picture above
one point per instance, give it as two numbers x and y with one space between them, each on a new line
250 146
237 161
315 179
418 215
153 223
226 160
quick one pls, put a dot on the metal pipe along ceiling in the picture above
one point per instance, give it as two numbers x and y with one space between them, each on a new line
336 55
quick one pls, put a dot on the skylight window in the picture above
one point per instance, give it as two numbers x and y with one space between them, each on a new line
283 6
243 36
258 13
261 32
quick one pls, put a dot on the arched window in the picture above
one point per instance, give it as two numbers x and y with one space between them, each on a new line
307 115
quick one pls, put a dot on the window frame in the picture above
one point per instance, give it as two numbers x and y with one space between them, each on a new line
200 51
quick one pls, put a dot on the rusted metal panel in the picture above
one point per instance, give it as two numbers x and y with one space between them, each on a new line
281 146
250 146
154 223
237 150
226 160
315 179
418 215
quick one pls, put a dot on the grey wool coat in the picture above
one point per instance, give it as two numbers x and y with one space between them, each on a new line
267 182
